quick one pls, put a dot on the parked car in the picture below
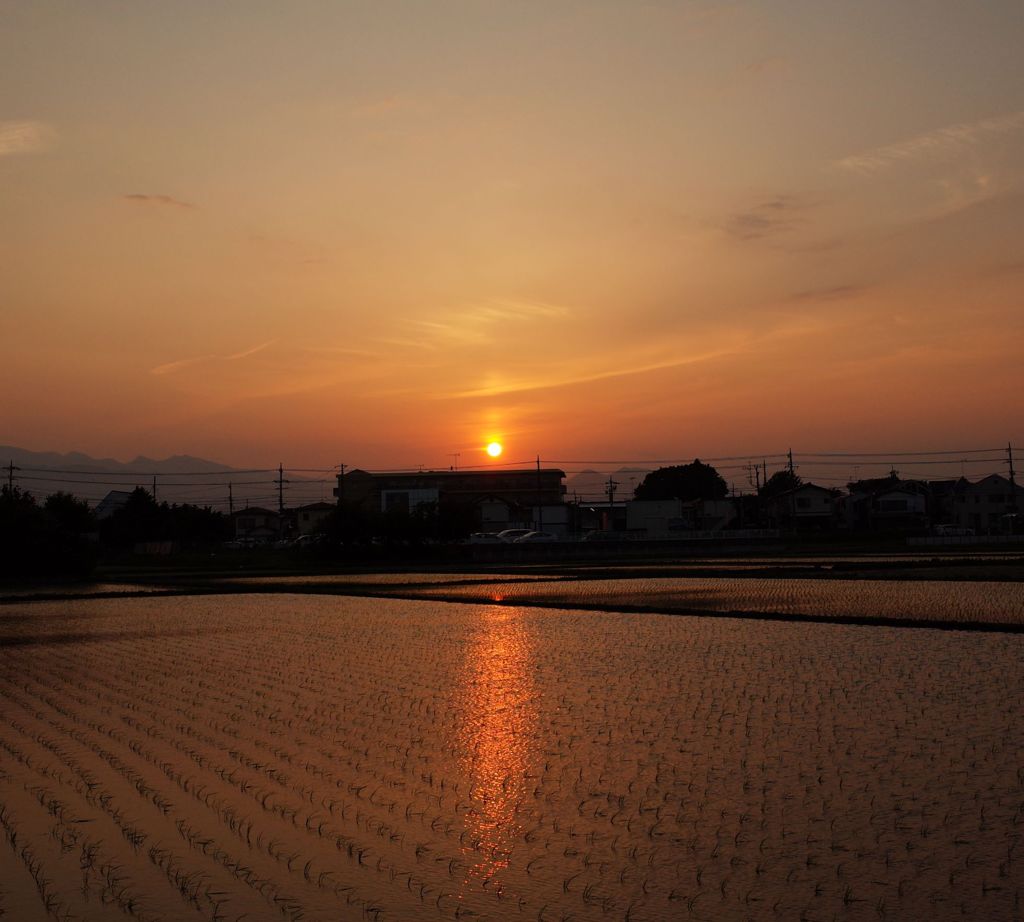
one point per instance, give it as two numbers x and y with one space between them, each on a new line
484 537
512 534
312 540
602 536
536 537
954 531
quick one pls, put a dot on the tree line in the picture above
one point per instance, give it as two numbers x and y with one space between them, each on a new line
60 536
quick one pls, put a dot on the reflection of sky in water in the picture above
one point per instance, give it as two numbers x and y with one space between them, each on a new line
497 737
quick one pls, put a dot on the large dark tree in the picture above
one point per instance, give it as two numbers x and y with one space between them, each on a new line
779 482
69 513
44 541
142 518
683 481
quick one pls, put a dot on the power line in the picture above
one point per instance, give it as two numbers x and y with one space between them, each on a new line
256 470
895 454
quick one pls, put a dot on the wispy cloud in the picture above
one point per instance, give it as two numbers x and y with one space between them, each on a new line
832 293
548 382
772 64
941 143
374 107
245 353
479 323
159 200
24 137
774 216
171 367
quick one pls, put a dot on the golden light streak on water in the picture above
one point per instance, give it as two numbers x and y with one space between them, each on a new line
498 739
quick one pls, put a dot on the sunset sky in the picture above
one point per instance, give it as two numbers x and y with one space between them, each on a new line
385 232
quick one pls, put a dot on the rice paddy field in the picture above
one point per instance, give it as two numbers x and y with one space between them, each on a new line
287 756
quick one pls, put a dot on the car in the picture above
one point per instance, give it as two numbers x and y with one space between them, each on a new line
954 531
312 540
484 537
602 536
536 537
511 534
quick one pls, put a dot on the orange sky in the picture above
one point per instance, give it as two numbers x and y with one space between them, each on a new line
383 232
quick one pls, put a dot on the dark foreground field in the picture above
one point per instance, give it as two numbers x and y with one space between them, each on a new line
323 755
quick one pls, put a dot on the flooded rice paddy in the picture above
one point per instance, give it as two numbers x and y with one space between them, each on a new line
327 758
909 600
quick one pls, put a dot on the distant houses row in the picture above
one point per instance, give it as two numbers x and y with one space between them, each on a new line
500 499
494 500
260 525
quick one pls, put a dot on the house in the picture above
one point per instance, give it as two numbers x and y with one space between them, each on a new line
308 519
887 504
110 503
670 518
492 499
807 506
989 507
257 524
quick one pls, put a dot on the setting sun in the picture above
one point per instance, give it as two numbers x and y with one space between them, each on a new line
494 449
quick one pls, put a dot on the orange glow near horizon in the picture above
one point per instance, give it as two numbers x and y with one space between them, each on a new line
389 251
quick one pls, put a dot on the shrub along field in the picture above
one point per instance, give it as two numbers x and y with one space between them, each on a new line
323 758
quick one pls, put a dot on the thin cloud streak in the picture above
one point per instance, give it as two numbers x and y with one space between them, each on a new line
175 366
159 200
778 215
942 142
478 325
23 137
171 367
522 386
834 293
247 352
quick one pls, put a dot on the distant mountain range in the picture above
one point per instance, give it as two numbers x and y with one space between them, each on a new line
179 479
184 478
75 460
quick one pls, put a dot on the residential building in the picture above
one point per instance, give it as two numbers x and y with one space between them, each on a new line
110 503
257 524
988 507
806 507
308 519
887 504
493 499
673 517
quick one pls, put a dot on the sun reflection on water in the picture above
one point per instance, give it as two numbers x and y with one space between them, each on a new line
497 738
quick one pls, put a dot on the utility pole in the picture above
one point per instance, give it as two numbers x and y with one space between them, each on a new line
10 479
280 491
1013 478
792 470
455 462
154 488
231 500
610 493
341 485
540 500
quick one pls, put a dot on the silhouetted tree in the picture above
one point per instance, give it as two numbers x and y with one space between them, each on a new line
44 541
69 513
779 482
683 481
142 519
